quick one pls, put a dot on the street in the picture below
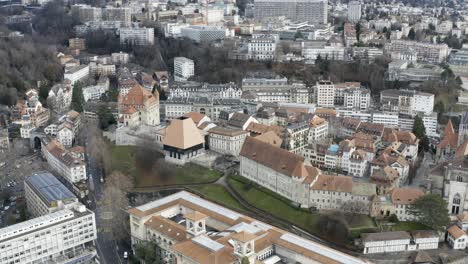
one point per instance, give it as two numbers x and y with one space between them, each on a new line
109 251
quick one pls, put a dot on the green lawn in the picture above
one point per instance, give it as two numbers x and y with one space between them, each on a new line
123 160
275 205
408 226
219 194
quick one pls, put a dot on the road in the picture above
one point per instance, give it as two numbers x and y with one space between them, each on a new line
109 251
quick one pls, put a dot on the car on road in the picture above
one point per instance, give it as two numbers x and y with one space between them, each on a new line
125 255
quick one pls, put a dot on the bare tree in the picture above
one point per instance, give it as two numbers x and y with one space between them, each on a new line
115 203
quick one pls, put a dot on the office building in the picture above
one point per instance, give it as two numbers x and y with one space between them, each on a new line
137 36
65 236
354 11
183 69
189 229
77 73
203 33
45 194
312 11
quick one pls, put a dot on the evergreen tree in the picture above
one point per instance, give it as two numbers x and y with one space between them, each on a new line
431 210
77 97
420 132
412 34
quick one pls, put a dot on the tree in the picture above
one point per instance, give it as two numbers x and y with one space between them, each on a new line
105 117
115 202
419 131
77 97
146 251
412 34
245 260
358 31
298 35
431 210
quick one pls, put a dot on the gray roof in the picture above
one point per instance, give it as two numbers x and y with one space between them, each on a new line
48 188
385 236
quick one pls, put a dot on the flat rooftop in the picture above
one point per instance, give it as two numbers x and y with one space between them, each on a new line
49 188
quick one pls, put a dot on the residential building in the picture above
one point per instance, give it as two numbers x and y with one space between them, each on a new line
354 11
402 198
120 58
311 50
183 69
45 194
349 35
399 241
65 134
195 89
121 14
262 46
60 96
318 129
432 53
98 69
64 236
86 13
393 158
407 102
183 141
355 98
212 107
296 137
69 164
240 120
95 92
225 140
4 140
366 54
189 229
77 73
137 36
77 43
463 129
139 106
325 93
313 11
457 233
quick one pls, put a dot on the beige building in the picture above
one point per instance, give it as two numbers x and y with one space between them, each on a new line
288 175
77 43
188 229
68 163
143 104
182 141
325 94
225 140
318 129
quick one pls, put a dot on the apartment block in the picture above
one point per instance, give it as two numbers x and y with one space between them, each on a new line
183 68
325 93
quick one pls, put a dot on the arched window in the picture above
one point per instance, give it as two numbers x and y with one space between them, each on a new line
456 204
459 178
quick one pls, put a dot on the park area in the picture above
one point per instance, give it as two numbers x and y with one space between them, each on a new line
150 170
